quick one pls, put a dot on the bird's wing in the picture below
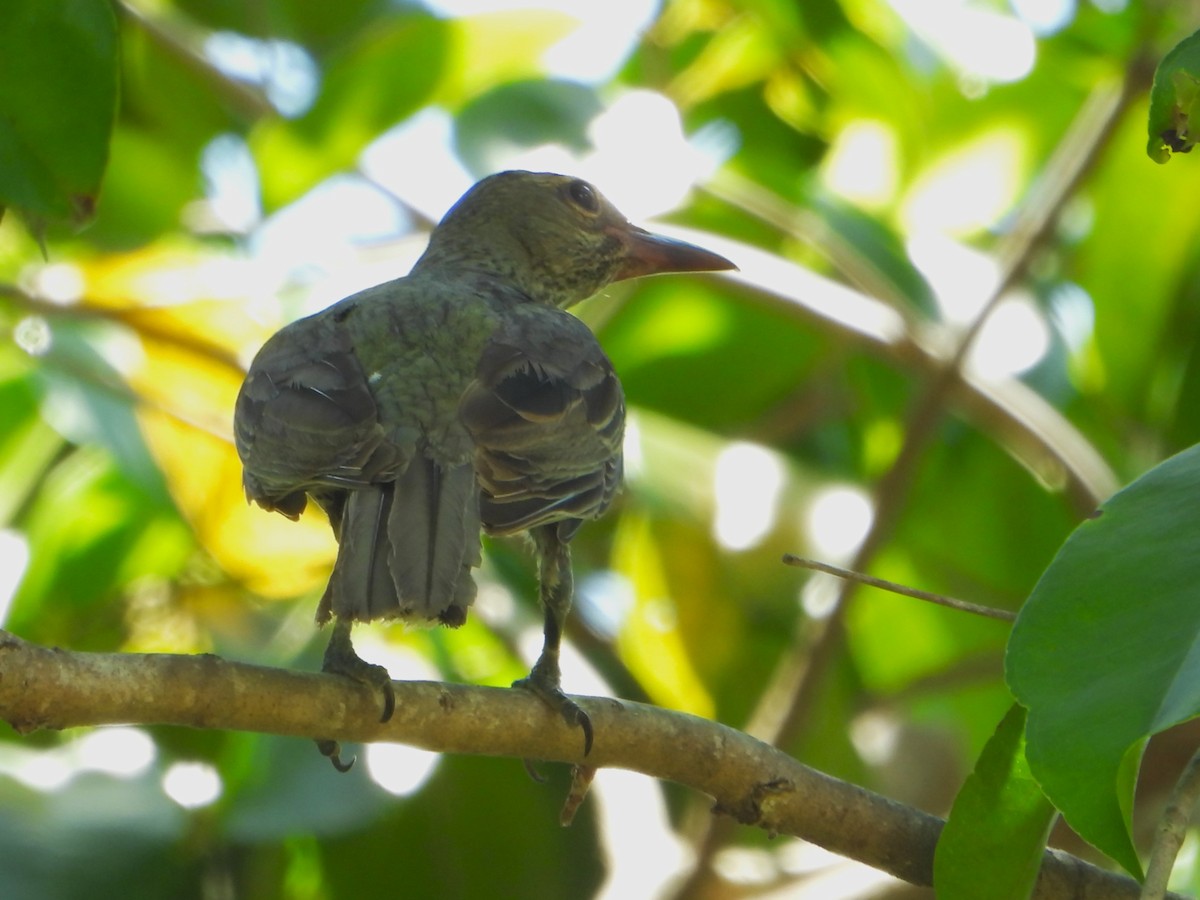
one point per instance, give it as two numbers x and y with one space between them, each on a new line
306 420
547 415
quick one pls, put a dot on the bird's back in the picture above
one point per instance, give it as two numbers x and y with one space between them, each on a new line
417 412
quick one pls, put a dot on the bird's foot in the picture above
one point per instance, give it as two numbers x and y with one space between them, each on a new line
543 682
340 659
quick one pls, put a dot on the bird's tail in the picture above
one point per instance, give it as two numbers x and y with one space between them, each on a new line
406 548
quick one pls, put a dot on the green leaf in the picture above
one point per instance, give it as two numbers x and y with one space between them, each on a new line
1104 653
289 789
371 86
538 859
318 26
145 189
875 253
1175 101
118 830
28 445
526 113
54 140
991 847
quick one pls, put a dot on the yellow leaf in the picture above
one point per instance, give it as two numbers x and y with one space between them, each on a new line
650 642
182 294
190 309
741 54
495 48
193 387
269 554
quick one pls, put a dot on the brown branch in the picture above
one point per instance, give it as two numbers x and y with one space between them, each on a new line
750 781
139 319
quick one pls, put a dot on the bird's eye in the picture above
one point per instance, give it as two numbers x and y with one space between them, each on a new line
583 196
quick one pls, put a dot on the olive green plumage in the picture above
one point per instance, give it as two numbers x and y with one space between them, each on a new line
459 398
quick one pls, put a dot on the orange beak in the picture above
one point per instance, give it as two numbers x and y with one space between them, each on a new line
653 254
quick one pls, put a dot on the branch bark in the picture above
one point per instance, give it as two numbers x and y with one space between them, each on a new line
749 780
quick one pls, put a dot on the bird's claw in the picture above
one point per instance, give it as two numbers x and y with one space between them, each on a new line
340 659
383 683
389 698
547 690
333 750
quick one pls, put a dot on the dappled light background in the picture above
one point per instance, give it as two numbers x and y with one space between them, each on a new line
892 178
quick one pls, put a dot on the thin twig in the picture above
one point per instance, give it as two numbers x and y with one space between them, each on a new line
1172 827
976 609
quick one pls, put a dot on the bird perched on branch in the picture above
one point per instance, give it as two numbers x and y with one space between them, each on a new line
458 398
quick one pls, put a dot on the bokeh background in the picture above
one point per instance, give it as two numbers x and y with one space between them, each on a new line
966 312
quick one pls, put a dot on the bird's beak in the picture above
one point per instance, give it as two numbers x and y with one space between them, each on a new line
653 254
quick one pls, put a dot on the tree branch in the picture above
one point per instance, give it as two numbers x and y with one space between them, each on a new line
749 780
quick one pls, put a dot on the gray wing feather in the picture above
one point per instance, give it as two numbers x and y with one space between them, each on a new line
547 415
305 419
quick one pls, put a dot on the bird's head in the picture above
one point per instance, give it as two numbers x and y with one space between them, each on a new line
555 238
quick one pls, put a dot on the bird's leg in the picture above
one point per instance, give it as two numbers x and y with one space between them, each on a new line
555 589
340 659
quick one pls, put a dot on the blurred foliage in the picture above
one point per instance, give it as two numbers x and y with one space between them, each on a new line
832 145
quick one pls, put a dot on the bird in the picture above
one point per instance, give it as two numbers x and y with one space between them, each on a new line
457 400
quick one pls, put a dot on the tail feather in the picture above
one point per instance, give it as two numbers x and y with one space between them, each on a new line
434 533
407 548
409 535
361 586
